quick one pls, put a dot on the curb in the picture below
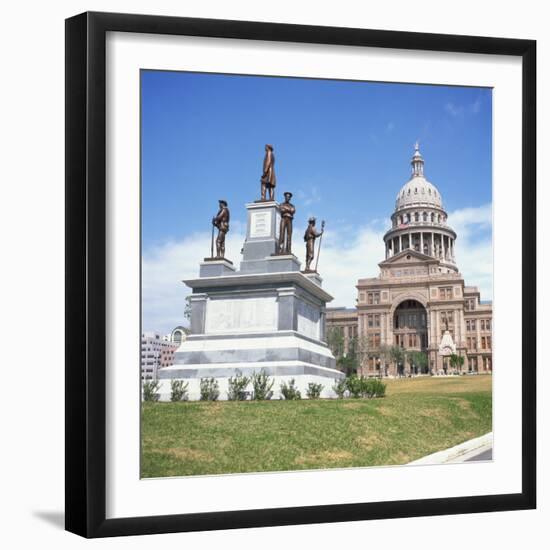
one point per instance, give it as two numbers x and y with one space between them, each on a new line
459 453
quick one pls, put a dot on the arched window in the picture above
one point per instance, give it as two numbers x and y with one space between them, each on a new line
439 218
432 217
424 216
416 217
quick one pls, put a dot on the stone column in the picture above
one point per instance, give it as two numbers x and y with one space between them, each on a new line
433 245
422 242
401 242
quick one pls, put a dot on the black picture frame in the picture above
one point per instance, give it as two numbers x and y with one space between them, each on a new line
86 274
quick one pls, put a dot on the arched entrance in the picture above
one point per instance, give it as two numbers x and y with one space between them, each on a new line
410 332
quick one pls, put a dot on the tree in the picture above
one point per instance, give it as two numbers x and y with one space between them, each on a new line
419 359
345 361
385 354
456 362
361 349
335 341
397 355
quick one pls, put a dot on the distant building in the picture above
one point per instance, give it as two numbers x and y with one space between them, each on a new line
419 295
156 352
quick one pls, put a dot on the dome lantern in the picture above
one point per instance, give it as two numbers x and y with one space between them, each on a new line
417 162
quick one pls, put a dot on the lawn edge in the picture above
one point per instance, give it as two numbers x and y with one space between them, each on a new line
458 453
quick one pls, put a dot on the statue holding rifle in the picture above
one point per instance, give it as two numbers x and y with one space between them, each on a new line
309 238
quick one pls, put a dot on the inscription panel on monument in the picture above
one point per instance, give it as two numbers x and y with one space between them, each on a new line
260 224
231 315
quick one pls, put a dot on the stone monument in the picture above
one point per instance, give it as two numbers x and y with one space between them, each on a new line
267 316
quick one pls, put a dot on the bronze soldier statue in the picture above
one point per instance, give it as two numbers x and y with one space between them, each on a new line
287 211
221 221
309 238
268 176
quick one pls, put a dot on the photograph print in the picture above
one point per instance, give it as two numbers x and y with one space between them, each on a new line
316 276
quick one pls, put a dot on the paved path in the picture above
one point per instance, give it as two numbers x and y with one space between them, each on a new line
475 450
484 455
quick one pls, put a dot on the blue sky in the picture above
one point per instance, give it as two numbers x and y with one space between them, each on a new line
343 148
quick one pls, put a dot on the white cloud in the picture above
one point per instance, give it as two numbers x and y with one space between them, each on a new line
456 110
310 197
474 247
163 270
347 254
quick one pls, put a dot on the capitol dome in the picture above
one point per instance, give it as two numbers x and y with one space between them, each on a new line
419 221
418 191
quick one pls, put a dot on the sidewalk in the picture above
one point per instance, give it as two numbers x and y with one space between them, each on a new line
479 448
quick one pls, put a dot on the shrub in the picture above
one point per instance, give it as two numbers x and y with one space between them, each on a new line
355 386
314 390
340 387
179 390
150 389
209 389
261 386
237 387
290 391
375 388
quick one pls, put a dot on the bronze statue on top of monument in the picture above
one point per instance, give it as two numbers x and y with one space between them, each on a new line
309 237
268 179
287 212
221 222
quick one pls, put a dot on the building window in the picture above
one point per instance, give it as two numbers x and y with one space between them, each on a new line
482 324
373 298
488 324
445 292
374 340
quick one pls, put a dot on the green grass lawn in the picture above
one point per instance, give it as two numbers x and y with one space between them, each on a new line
417 417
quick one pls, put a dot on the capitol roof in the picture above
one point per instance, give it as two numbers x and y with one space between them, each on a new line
418 191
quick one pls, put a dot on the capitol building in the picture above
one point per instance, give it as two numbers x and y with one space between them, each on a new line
419 301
